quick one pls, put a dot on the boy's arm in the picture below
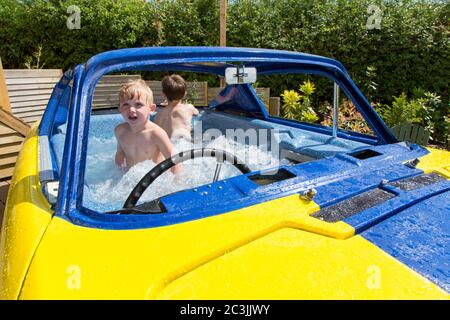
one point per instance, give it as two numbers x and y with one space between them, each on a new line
194 111
120 157
185 114
120 154
166 147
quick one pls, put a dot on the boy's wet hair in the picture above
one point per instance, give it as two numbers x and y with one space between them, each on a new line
174 87
136 89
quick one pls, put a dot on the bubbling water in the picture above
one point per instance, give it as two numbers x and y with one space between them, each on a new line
107 186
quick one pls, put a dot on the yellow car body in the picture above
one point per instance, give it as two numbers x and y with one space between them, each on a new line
264 245
273 250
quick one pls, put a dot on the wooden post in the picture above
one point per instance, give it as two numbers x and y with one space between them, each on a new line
223 23
4 97
223 30
159 27
274 106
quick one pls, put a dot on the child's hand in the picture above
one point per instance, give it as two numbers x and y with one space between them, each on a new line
178 180
121 161
123 165
177 169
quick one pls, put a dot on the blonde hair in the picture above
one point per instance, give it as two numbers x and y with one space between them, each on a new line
136 89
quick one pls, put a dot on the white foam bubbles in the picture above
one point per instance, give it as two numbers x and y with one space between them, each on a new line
107 187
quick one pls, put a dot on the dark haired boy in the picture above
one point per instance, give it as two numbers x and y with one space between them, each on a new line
176 117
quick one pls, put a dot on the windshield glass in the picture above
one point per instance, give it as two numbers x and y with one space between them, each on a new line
107 186
250 121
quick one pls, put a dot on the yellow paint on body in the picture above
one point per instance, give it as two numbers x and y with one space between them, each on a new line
27 214
272 250
436 161
293 264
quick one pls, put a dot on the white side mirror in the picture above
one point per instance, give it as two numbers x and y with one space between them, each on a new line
241 74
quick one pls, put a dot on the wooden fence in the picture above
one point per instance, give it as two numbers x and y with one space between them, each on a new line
29 91
28 94
197 92
106 93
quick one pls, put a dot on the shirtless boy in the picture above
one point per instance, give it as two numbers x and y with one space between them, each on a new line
176 117
138 139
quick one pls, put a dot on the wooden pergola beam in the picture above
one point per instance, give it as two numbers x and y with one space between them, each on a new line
13 122
4 97
223 23
223 30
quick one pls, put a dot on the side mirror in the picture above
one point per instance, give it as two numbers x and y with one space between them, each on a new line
241 74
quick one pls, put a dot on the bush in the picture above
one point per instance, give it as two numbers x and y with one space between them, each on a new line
13 48
297 106
349 118
188 22
424 108
401 111
411 49
105 25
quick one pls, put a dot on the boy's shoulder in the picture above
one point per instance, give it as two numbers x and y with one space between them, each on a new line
155 132
191 108
154 129
184 109
121 128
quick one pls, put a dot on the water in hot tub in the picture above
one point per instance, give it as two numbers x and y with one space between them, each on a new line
107 187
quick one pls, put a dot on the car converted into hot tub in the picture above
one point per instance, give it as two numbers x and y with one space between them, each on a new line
339 215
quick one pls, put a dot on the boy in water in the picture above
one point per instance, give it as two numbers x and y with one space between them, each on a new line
176 117
138 139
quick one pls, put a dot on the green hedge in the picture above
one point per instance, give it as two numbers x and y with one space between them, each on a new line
105 25
410 50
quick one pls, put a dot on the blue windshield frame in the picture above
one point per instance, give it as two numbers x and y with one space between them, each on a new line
211 60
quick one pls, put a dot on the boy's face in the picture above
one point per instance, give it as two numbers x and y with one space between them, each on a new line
136 111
